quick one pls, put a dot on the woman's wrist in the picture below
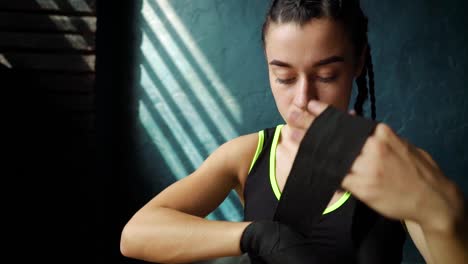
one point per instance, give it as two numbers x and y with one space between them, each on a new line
243 227
445 210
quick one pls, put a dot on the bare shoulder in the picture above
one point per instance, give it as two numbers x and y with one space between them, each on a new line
235 156
240 151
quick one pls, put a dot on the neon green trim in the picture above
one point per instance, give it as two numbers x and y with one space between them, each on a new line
274 182
274 144
338 203
261 137
403 223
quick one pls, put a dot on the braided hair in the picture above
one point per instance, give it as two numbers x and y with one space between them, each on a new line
355 23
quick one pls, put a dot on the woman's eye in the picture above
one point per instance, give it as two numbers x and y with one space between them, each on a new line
327 79
285 81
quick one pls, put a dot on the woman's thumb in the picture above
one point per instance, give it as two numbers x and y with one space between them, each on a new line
316 107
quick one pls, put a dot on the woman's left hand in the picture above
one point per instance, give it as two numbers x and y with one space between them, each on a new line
399 180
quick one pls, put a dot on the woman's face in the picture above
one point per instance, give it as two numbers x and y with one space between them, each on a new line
315 61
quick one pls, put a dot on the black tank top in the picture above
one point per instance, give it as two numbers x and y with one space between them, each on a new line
333 232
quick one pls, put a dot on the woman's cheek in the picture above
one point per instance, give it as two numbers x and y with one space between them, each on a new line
337 95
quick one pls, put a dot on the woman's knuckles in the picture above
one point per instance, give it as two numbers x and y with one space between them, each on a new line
376 148
383 131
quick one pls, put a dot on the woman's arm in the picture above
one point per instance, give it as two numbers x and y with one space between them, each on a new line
446 228
417 235
401 181
171 227
166 235
441 234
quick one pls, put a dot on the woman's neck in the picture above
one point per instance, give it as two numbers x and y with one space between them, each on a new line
288 140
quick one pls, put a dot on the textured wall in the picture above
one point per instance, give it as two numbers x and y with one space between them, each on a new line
204 81
420 51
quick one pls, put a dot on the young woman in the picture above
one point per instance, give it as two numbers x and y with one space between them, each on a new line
315 49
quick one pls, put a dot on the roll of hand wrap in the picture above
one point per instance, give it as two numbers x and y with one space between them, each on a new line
325 155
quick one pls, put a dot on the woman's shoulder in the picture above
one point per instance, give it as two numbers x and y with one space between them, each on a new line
244 147
239 152
247 143
237 156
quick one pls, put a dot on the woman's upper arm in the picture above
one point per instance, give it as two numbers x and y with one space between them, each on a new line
419 240
204 189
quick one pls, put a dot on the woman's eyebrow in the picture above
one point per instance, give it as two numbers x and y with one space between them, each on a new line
329 60
319 63
280 63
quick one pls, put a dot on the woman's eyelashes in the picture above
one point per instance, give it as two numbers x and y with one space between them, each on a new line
285 81
318 78
327 79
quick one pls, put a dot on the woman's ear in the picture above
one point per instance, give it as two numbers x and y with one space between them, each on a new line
361 62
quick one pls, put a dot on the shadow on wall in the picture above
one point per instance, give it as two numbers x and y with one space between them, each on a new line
201 69
184 105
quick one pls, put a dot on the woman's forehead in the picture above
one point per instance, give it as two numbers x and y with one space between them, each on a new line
306 44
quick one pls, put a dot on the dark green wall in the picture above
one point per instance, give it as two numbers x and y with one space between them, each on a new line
420 52
203 81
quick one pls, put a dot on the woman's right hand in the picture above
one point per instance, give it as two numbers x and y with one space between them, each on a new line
276 243
261 238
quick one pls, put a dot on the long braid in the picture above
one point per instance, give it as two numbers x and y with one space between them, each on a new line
363 92
370 72
361 82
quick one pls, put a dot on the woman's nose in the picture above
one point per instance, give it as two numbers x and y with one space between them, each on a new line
303 94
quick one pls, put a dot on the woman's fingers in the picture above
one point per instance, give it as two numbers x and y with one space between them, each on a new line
316 107
302 119
386 134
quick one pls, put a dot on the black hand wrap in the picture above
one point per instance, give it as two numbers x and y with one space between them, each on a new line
325 156
272 242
